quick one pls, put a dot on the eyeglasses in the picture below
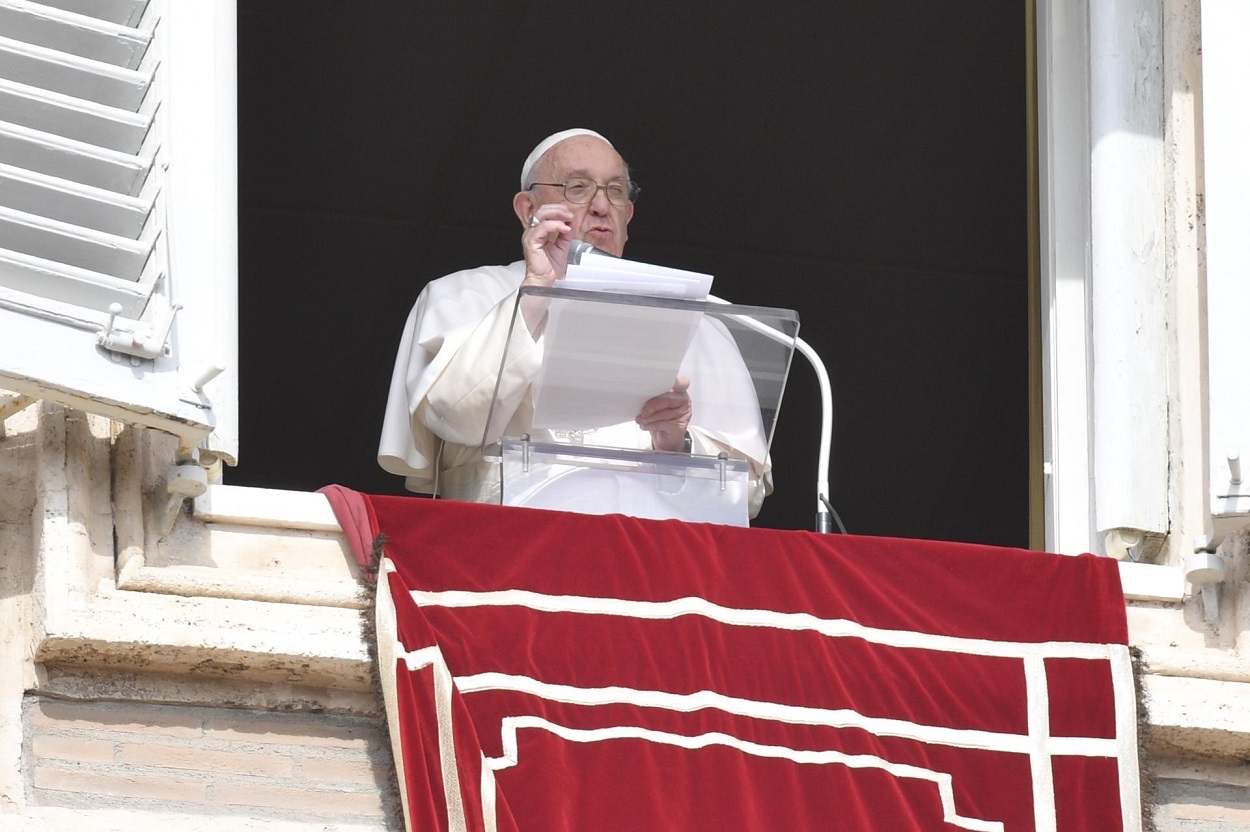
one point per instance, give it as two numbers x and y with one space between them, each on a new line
581 191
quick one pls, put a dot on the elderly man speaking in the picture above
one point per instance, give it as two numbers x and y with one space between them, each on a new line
574 186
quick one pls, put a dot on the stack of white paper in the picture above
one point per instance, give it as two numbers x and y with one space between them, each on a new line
609 274
603 361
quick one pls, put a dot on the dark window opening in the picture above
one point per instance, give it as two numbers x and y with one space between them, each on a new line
864 164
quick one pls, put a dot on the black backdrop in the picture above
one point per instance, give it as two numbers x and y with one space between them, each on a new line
863 163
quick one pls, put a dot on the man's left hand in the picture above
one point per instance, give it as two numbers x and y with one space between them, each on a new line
667 416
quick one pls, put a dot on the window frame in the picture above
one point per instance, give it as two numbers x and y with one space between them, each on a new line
1226 187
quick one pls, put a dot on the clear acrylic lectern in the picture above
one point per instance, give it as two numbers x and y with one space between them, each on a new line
562 427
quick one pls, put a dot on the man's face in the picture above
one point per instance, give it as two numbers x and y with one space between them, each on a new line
598 222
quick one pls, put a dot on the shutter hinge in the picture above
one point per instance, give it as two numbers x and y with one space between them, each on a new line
144 341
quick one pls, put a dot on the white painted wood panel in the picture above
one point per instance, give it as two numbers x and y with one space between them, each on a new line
123 12
73 202
1226 125
76 34
44 111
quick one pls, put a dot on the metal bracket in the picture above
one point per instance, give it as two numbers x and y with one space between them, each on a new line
1234 478
144 341
196 395
1205 572
186 479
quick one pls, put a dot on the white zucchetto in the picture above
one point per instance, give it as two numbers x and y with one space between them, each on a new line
550 142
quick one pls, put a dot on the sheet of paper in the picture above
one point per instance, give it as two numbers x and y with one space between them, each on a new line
611 274
603 361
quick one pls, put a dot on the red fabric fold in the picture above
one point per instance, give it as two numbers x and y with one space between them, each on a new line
355 516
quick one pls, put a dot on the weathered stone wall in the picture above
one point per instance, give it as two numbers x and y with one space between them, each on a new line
1201 796
209 678
141 757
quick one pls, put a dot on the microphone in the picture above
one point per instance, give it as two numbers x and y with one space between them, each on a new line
579 248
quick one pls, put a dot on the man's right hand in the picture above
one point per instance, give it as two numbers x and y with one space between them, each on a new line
546 247
546 244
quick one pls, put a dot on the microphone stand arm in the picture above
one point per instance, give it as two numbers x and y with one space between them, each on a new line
824 519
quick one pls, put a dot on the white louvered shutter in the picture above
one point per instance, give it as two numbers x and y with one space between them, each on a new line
117 210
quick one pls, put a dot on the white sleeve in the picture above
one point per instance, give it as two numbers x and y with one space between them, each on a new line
451 326
457 404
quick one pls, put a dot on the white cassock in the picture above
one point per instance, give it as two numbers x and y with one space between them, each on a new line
447 370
